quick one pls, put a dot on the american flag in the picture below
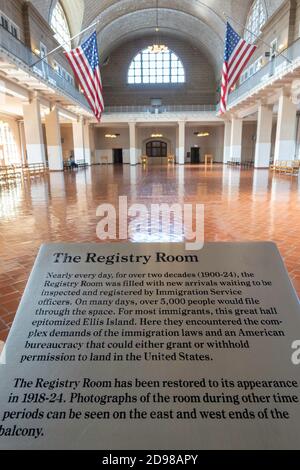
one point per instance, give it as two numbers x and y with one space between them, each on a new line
237 55
85 63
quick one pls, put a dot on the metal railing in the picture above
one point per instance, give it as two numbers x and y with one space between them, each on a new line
162 109
14 47
276 67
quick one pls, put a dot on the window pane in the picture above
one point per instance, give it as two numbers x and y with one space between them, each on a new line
60 26
158 68
256 19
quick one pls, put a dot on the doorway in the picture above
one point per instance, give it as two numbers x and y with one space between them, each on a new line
195 155
118 156
157 151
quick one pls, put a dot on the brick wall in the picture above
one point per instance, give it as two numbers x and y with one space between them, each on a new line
34 29
283 25
297 20
13 10
200 86
39 31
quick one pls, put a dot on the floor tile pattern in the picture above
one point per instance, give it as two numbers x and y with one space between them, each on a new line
240 205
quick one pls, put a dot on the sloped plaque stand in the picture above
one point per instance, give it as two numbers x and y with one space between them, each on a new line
137 346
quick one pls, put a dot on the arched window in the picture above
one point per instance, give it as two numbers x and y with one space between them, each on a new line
161 67
60 26
9 153
256 19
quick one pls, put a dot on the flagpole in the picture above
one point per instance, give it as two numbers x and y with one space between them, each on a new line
256 36
64 43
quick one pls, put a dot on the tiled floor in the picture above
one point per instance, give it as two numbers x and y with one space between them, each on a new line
239 206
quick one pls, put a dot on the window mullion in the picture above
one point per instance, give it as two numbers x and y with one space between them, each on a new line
161 68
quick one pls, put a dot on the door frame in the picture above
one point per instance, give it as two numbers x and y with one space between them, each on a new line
192 150
162 145
114 156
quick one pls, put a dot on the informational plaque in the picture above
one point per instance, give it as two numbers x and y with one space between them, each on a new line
140 346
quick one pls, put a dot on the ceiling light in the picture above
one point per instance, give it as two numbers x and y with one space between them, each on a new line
156 135
157 47
202 134
111 136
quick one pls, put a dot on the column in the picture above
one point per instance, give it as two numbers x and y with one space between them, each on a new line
181 142
227 142
286 129
236 139
132 143
87 142
81 139
34 133
263 138
92 144
55 156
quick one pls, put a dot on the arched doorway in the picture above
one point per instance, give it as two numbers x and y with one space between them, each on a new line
157 152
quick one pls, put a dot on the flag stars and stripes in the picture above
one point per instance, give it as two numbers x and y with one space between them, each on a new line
236 56
85 63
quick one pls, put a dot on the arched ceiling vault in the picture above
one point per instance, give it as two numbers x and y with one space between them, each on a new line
201 22
138 24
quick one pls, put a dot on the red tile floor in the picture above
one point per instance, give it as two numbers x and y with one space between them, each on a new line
240 205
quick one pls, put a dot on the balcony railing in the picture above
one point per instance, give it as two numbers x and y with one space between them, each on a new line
161 109
16 48
276 67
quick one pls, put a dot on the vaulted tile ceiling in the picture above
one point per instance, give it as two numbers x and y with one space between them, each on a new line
200 22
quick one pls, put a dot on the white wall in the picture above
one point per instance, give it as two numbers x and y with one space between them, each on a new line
213 144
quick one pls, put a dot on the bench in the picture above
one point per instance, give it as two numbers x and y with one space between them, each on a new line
9 174
68 166
291 167
82 163
233 162
34 169
247 164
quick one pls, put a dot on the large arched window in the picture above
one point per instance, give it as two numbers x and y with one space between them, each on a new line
161 67
9 153
60 26
256 19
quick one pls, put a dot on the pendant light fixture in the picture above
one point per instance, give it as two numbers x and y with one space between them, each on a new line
157 47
